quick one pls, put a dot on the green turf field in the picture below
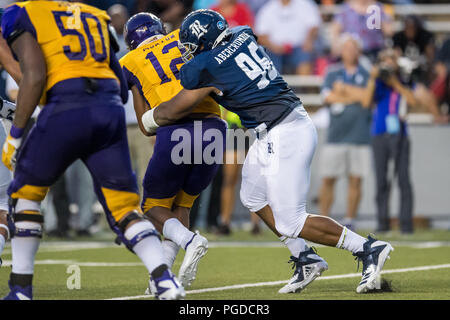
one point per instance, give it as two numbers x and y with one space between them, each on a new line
419 268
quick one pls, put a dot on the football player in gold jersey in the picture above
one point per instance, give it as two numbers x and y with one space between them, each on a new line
66 56
151 69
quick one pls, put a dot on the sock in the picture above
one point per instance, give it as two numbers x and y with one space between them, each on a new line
174 230
351 241
170 249
296 245
149 249
24 249
347 221
22 280
159 271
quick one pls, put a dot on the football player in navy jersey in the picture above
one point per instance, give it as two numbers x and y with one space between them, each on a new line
230 65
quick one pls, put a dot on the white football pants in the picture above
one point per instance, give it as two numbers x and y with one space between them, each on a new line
276 171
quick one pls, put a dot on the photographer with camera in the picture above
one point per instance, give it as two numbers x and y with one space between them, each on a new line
390 138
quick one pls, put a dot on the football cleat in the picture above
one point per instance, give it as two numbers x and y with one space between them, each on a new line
151 289
19 293
308 266
194 252
373 256
167 287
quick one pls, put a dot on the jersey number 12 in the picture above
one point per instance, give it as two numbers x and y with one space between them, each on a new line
257 66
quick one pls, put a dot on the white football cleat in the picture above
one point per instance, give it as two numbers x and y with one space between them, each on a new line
194 252
308 266
374 255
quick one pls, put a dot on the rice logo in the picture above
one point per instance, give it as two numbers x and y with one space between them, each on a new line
220 25
197 29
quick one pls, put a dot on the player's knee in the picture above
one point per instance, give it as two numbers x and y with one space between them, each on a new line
251 203
150 203
184 199
134 228
120 203
25 219
291 228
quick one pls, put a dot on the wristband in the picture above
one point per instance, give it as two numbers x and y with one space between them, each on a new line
148 121
16 133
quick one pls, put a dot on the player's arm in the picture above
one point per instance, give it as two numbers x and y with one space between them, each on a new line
115 66
140 107
34 75
369 93
177 108
34 70
7 61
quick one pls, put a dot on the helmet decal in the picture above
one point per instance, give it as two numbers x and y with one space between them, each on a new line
197 29
220 25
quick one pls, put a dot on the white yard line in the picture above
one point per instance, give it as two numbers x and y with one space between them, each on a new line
74 246
81 264
274 283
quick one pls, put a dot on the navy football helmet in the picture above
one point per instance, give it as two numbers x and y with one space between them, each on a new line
140 27
202 30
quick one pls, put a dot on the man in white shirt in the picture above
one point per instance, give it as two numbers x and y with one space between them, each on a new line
288 30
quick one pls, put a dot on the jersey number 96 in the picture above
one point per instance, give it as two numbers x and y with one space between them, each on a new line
257 66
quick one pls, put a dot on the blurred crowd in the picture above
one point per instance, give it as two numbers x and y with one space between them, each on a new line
372 73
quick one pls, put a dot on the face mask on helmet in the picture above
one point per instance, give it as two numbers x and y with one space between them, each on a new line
187 50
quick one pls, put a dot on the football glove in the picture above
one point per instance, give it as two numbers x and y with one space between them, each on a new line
9 154
7 110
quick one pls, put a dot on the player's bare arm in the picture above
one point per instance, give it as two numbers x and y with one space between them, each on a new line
140 107
33 66
180 106
7 61
177 108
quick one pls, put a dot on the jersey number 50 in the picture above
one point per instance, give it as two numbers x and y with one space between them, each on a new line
84 16
257 66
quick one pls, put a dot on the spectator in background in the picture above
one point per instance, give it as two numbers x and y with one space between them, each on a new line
232 170
255 5
119 17
61 204
440 86
170 11
288 29
105 4
80 191
414 41
236 13
357 17
416 47
346 152
390 139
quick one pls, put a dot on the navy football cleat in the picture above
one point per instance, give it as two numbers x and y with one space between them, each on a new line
308 266
374 255
19 293
167 287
